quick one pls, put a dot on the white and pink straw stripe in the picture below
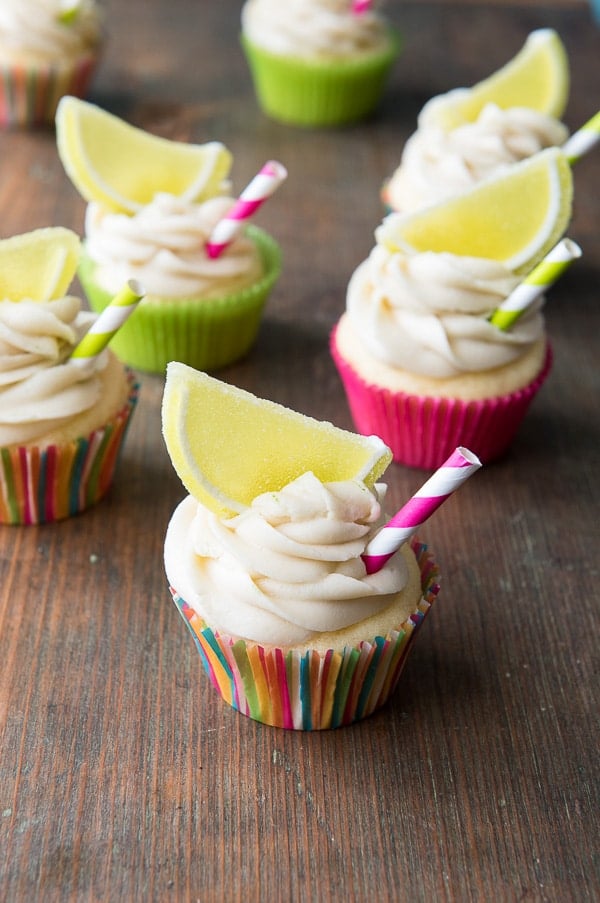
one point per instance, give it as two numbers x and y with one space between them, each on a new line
452 474
361 6
252 197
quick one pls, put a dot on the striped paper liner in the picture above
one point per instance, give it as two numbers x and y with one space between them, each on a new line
29 95
42 485
310 690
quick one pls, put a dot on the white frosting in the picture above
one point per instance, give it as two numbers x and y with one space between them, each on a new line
288 567
40 389
163 246
436 164
312 28
32 30
427 313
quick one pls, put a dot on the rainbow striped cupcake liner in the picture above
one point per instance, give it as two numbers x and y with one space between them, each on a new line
29 95
310 690
43 485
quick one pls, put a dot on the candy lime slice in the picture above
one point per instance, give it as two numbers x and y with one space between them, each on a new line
38 265
229 446
515 217
537 78
123 167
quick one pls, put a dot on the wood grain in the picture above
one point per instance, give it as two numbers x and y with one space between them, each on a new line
122 774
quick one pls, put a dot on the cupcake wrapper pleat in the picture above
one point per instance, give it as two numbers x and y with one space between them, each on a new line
205 334
42 485
310 690
423 431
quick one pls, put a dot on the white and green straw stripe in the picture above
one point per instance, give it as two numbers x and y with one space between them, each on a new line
110 320
583 140
68 11
536 283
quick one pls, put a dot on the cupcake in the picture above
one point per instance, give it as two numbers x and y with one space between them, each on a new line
291 629
461 140
62 424
155 227
317 62
422 365
48 48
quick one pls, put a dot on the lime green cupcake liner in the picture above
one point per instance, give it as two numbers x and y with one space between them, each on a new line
204 333
306 93
44 484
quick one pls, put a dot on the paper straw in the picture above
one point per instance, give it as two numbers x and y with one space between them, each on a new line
110 320
583 140
361 6
536 283
452 474
69 10
252 197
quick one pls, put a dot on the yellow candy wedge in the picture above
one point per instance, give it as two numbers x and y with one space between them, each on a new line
537 78
123 167
515 217
38 265
228 446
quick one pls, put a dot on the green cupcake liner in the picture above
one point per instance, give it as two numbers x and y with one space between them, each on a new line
306 93
204 333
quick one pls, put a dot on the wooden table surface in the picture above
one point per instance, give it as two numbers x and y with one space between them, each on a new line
123 776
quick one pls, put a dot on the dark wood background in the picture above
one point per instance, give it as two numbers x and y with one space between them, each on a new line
122 774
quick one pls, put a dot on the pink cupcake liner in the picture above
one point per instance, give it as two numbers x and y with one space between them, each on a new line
43 485
423 431
29 95
310 690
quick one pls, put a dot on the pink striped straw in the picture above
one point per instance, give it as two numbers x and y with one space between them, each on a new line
452 474
361 6
252 197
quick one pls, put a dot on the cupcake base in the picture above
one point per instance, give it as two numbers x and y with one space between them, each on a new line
423 431
204 333
40 485
322 93
310 690
29 95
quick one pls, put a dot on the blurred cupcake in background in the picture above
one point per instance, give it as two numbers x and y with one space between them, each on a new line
468 134
317 62
48 48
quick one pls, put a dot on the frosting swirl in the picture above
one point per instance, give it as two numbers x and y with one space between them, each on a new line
436 164
427 312
312 28
288 567
163 247
33 30
40 389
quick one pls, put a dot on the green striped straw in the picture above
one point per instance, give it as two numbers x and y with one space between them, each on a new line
110 320
583 140
69 10
536 283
